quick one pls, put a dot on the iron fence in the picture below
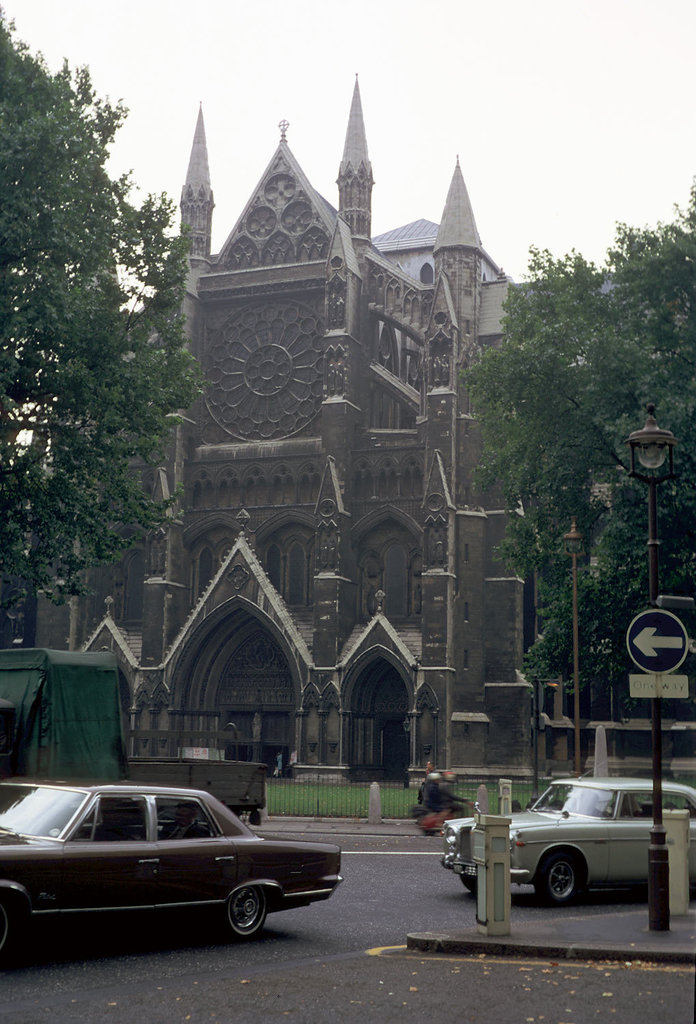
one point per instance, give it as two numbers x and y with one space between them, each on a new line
335 798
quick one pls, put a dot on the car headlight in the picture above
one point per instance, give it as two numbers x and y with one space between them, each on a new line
450 837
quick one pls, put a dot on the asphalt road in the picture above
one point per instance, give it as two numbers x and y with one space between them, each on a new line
343 960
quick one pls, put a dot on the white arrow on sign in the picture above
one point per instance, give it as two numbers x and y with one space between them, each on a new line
647 642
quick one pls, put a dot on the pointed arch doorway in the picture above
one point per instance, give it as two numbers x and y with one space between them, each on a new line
379 711
256 697
236 678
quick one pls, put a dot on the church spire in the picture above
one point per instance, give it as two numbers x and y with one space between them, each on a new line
197 196
458 226
355 179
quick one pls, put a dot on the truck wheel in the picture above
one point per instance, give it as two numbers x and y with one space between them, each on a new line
246 911
559 879
469 882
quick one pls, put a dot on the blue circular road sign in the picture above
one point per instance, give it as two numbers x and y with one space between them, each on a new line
657 641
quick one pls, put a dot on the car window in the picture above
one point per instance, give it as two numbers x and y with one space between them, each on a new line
585 800
114 819
637 805
677 802
183 818
37 810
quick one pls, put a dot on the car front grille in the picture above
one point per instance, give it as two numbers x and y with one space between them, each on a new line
465 844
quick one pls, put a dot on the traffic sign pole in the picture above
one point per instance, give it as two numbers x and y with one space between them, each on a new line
657 643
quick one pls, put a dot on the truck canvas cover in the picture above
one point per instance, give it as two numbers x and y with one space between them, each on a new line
68 718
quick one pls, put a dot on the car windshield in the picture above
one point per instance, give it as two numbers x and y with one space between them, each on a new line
37 810
594 803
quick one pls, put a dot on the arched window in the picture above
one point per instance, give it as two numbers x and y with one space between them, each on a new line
426 273
296 575
395 581
205 569
135 578
273 565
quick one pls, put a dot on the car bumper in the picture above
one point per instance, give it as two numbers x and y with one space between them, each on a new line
520 876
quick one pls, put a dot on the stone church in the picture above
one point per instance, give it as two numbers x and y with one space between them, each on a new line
328 586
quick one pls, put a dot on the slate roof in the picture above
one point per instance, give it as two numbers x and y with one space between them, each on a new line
419 234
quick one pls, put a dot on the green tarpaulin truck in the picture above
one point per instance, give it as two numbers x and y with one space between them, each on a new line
60 718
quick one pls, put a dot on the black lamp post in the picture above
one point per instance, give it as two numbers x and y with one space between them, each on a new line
652 446
572 542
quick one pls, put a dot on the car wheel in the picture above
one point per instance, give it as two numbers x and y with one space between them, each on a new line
469 882
559 878
246 911
13 923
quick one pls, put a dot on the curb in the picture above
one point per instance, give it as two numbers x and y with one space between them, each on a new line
434 942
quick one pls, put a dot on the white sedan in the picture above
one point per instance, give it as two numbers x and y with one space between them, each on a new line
579 834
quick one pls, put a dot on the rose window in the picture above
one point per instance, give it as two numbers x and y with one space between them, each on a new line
261 222
280 188
297 217
266 371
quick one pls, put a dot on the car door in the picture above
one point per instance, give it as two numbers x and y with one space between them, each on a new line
630 837
195 863
108 862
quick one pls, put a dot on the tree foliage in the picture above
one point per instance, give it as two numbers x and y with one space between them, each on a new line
93 356
586 348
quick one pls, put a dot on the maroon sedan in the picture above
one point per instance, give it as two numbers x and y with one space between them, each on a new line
117 847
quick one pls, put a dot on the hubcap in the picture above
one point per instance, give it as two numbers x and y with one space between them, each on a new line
561 879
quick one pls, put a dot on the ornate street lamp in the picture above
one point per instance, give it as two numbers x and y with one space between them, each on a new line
572 543
651 446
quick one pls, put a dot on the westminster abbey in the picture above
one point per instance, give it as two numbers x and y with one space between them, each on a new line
327 588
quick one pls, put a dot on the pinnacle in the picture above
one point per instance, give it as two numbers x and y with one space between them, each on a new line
458 226
198 172
355 149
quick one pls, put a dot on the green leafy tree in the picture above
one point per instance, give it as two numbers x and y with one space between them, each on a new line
586 349
93 356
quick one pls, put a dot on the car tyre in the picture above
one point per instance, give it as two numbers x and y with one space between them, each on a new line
13 926
559 878
246 911
469 882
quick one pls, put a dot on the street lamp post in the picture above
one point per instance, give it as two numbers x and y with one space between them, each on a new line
573 547
652 446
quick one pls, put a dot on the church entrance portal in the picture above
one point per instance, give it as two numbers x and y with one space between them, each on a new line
257 701
380 709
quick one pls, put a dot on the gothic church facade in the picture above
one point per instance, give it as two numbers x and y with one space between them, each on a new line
328 586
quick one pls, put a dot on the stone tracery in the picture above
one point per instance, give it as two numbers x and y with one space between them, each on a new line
267 371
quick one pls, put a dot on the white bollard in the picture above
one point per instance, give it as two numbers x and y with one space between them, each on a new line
677 836
482 799
505 797
374 816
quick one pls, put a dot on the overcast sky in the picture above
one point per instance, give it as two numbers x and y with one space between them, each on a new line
568 116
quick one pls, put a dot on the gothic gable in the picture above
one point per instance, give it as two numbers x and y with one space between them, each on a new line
241 576
284 222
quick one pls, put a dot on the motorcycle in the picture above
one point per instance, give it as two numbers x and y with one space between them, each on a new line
431 822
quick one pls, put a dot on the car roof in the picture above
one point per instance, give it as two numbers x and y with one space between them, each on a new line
618 782
122 788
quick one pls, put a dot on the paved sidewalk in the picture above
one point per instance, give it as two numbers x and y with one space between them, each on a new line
624 936
338 826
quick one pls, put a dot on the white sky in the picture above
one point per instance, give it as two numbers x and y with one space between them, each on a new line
568 116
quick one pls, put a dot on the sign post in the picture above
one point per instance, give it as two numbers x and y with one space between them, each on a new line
657 643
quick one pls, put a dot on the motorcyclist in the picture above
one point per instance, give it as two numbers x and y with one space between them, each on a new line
439 801
450 802
432 794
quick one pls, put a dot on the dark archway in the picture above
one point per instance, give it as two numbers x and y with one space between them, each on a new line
235 680
256 698
379 741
